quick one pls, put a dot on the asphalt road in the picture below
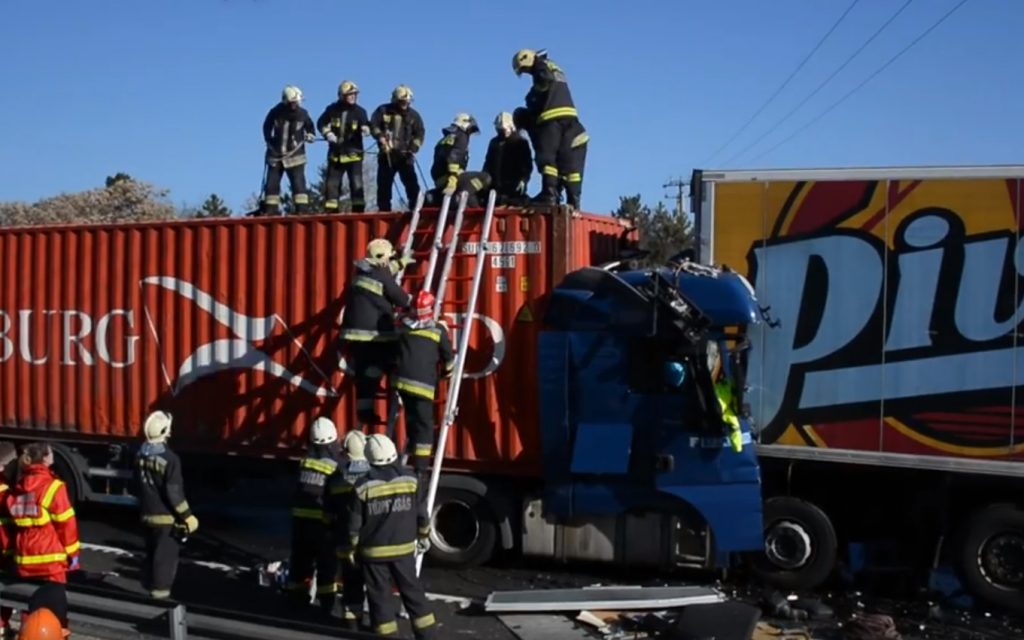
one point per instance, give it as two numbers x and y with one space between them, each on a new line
218 571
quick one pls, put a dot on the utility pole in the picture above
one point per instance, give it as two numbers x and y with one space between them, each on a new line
678 184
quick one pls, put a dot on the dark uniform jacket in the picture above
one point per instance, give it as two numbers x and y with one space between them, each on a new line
451 154
160 486
386 517
421 346
346 121
509 162
310 495
549 98
403 129
341 491
284 131
370 304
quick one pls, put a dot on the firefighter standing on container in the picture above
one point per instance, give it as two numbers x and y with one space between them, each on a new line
422 346
368 324
286 130
312 544
509 162
387 525
343 124
161 490
399 131
451 156
340 490
559 139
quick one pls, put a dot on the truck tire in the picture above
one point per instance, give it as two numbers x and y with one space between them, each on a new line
800 544
991 556
462 529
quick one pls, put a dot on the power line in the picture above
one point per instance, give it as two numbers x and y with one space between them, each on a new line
783 85
866 80
821 86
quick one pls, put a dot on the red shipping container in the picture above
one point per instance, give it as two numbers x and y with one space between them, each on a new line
232 325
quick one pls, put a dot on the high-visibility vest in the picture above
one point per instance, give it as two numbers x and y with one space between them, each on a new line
723 391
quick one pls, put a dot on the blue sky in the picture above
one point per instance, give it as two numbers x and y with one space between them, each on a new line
175 92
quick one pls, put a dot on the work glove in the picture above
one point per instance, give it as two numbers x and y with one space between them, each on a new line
365 130
382 142
348 557
75 563
448 371
310 137
449 187
521 187
422 546
333 139
406 260
191 524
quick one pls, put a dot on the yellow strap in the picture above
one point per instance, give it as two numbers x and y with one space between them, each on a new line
423 450
580 140
371 285
423 622
550 170
388 551
309 514
415 388
159 519
64 517
51 491
387 629
43 559
73 548
393 488
558 112
326 468
429 334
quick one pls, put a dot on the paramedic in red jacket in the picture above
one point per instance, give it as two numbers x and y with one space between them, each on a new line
46 543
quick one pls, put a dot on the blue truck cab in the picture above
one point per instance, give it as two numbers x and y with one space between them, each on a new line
647 453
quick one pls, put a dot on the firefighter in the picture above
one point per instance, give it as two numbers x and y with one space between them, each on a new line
451 155
46 542
423 344
509 162
312 544
286 130
559 139
368 325
340 489
164 511
399 131
343 124
8 455
387 526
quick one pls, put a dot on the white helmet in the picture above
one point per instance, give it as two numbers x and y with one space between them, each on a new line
466 122
323 431
354 445
157 427
380 450
504 122
291 93
380 251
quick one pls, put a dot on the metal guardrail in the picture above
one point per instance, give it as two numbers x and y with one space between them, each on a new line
126 612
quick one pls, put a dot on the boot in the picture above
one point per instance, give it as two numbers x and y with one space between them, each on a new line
548 191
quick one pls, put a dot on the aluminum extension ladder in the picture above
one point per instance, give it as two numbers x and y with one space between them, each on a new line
440 290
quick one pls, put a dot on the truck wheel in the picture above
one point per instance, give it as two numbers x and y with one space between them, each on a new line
800 544
992 556
462 529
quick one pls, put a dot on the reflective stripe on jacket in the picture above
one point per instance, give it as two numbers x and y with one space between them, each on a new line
421 348
386 516
549 97
46 530
311 489
370 304
160 486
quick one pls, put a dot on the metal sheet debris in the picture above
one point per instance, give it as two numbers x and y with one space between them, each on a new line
615 598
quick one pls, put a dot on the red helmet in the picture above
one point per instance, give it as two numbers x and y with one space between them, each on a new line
423 306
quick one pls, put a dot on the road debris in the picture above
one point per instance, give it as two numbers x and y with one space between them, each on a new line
616 598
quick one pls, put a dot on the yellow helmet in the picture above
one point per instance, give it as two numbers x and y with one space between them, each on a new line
346 88
402 93
380 250
523 60
291 93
